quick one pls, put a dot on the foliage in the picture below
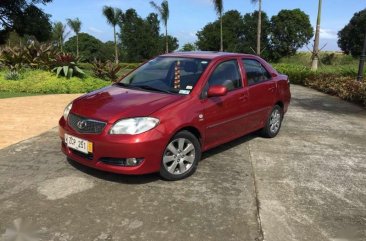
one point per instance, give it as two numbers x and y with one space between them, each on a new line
33 55
209 39
44 82
67 65
188 47
290 30
352 35
240 33
114 17
140 37
75 25
248 40
12 75
106 70
33 22
163 12
59 34
12 11
334 80
90 48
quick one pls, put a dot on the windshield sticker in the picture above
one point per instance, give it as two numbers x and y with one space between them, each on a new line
189 87
184 92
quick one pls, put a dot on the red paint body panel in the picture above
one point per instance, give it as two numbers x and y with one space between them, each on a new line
216 119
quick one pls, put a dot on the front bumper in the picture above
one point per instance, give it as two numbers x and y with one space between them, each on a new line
148 146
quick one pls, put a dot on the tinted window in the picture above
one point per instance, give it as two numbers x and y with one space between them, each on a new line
256 73
227 74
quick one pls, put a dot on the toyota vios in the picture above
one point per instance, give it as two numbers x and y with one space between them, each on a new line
164 114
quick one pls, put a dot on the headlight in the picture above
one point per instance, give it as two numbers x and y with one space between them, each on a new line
134 126
67 110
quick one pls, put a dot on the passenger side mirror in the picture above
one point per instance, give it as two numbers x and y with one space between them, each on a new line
217 90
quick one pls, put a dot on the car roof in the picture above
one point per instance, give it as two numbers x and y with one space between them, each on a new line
206 54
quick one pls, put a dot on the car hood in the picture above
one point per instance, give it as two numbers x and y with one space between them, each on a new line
113 102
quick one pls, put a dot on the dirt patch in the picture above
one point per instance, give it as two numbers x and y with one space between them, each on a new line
25 117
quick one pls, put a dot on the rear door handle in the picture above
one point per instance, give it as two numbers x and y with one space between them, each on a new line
243 98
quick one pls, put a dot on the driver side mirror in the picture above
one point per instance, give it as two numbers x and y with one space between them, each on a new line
217 90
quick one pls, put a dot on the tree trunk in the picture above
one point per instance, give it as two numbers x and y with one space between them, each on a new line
221 40
259 28
315 56
77 45
166 39
61 45
115 44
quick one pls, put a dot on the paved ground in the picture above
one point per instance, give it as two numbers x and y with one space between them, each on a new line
17 116
309 183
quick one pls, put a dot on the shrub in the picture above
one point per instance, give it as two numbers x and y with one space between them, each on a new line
45 82
12 75
67 65
34 55
106 70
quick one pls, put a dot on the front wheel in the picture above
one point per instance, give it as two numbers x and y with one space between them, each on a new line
181 156
274 122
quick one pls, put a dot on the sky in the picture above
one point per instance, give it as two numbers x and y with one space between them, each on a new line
189 16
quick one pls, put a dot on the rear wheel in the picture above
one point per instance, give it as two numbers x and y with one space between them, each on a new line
181 156
273 124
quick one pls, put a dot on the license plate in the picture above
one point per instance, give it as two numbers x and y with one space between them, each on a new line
78 144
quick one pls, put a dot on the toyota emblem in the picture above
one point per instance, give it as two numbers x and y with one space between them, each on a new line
81 124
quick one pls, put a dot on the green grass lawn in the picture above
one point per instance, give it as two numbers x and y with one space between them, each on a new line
4 95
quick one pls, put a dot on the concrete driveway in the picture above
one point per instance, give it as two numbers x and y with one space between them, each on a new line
309 183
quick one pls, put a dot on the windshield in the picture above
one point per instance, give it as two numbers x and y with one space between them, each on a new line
167 74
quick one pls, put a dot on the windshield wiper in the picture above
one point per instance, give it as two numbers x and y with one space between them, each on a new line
122 84
148 87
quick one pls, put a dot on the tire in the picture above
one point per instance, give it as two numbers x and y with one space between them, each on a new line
180 157
273 123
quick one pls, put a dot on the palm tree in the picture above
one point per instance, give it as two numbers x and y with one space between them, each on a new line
259 27
75 25
219 9
315 56
113 16
163 11
59 34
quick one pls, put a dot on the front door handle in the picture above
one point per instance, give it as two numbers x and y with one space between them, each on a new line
271 89
243 98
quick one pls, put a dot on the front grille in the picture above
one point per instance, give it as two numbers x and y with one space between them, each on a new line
89 156
85 125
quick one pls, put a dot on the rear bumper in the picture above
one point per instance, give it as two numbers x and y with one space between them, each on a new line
148 146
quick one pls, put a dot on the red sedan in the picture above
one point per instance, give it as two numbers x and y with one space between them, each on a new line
164 114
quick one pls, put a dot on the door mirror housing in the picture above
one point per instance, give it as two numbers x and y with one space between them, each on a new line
217 90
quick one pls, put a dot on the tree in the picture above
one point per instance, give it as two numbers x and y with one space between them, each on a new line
90 47
33 22
290 30
232 29
75 25
172 41
219 8
163 12
188 47
315 55
11 8
59 34
249 39
113 16
259 25
350 38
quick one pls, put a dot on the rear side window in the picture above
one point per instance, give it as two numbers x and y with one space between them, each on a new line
256 73
226 74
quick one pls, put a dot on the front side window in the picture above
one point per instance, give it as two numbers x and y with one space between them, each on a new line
167 74
226 74
256 73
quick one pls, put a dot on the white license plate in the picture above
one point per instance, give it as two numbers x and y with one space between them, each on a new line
78 144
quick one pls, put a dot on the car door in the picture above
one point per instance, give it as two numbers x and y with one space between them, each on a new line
261 92
223 115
